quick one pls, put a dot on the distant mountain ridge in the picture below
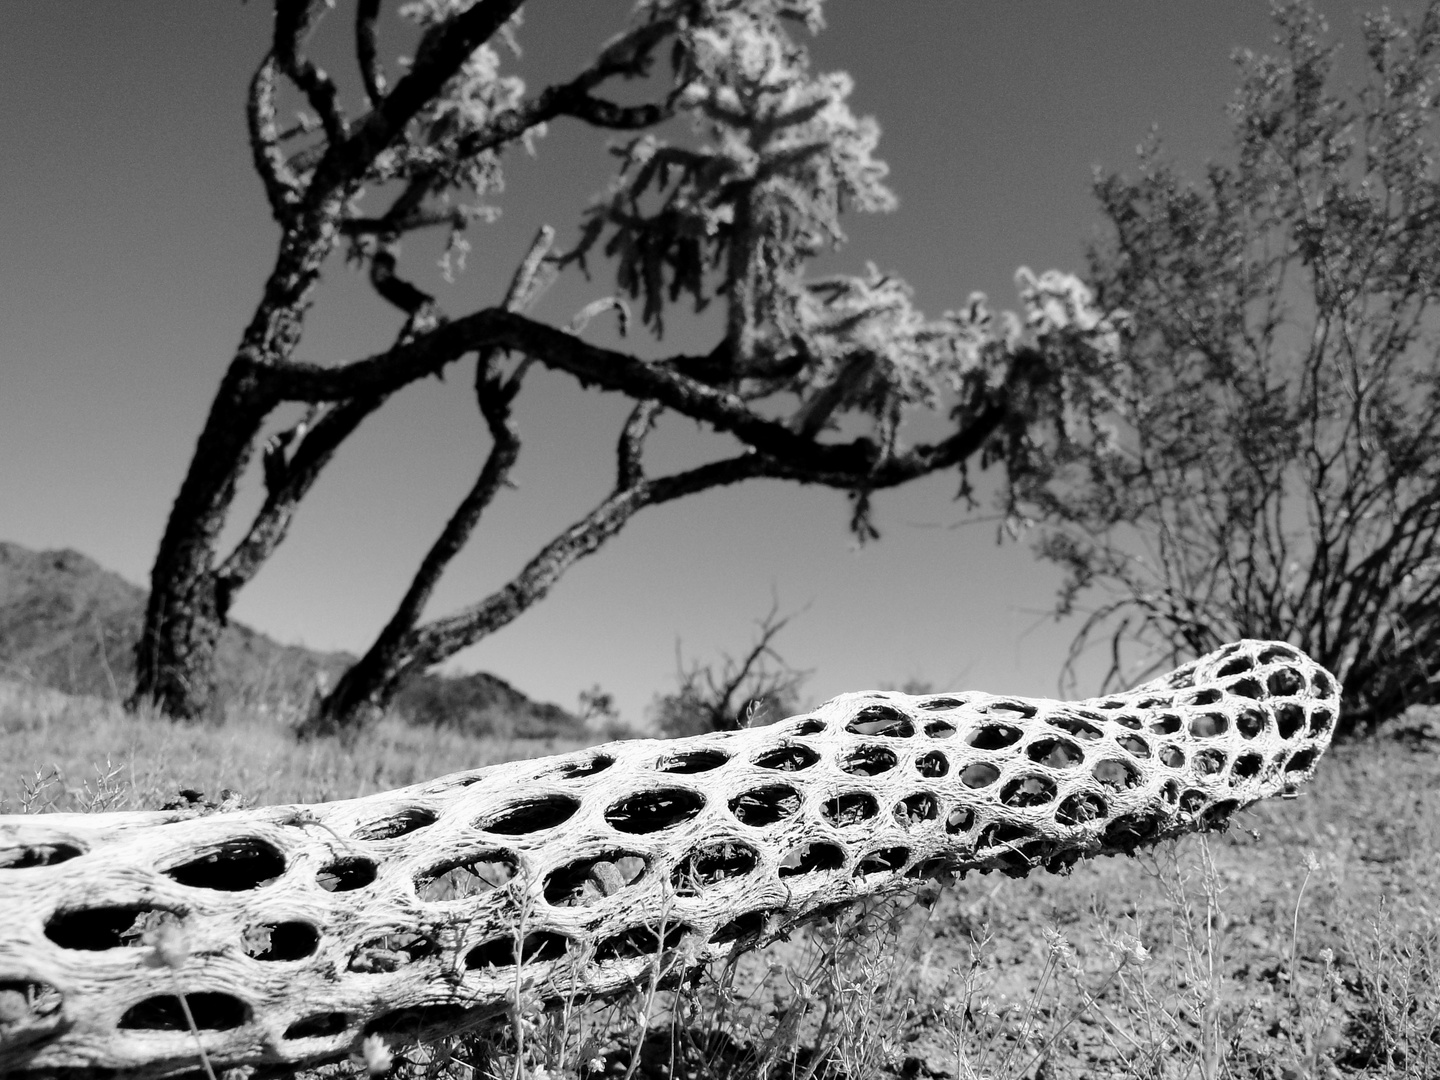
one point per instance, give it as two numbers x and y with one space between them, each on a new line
68 623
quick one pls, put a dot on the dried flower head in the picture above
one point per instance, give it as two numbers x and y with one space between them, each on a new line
13 1006
171 948
1059 946
1129 950
373 1056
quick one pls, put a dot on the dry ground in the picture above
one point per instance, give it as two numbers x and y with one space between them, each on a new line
1302 943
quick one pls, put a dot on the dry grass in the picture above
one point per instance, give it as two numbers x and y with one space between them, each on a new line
80 741
1302 944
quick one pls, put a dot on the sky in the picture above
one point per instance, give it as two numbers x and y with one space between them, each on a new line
134 239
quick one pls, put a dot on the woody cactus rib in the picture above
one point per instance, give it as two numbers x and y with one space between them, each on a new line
304 928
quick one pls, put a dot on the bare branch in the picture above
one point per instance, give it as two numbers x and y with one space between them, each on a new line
282 187
419 305
841 464
381 667
457 530
582 318
372 72
629 468
627 56
436 640
294 20
448 216
723 695
535 274
460 36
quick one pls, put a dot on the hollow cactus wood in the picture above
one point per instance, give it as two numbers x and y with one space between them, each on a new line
305 928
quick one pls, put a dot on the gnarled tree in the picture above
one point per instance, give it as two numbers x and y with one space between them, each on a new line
1266 460
733 213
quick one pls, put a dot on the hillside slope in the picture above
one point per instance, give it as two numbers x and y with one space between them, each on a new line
68 623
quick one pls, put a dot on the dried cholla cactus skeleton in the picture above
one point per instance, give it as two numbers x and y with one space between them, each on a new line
304 929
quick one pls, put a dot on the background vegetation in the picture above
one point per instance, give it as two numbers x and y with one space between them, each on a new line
1263 457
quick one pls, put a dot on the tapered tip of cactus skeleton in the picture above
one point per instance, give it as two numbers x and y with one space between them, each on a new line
310 929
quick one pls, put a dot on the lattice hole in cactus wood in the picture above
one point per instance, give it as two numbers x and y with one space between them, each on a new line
22 858
466 876
391 952
212 1011
1165 724
917 809
396 825
869 761
281 941
688 762
1134 745
940 704
588 881
850 808
765 805
979 774
574 770
993 737
639 941
816 857
932 764
531 815
881 720
1286 682
959 819
318 1026
540 945
1080 808
1247 765
1117 775
1209 762
1057 753
236 865
1076 726
882 861
654 811
789 758
346 875
1289 719
711 864
1028 791
108 926
1021 709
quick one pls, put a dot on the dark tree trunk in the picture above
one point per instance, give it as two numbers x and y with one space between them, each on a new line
187 609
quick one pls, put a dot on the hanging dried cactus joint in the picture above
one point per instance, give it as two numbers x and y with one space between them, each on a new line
303 929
